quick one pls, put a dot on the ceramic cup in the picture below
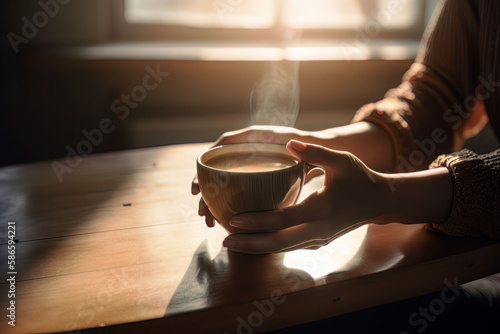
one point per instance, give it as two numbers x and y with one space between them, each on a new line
239 178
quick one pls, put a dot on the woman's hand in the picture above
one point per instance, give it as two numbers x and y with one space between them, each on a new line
367 141
253 134
261 134
423 196
351 195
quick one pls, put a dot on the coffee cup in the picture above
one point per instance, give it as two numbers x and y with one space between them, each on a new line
238 178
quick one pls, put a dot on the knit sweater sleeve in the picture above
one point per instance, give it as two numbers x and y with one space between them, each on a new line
435 108
476 196
442 101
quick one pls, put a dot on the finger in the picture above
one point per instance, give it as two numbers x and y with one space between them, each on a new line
312 208
209 219
231 137
195 186
258 134
261 221
313 247
320 156
257 243
235 137
310 235
204 211
202 208
296 237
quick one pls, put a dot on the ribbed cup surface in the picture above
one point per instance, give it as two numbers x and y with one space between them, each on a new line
228 192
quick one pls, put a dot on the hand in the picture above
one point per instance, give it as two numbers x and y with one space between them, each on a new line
364 139
253 134
351 195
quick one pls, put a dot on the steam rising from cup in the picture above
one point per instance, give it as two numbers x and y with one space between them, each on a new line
274 99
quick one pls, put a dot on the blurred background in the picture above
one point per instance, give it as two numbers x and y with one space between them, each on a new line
68 64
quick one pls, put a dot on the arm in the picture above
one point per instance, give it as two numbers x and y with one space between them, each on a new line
363 139
427 115
443 101
438 106
366 140
476 196
352 195
439 102
424 196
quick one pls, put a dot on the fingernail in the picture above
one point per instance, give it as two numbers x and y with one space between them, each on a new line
239 222
229 243
298 145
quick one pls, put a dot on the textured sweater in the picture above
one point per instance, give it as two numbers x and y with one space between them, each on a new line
447 96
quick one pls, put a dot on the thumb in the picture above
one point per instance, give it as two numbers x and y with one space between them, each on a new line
329 160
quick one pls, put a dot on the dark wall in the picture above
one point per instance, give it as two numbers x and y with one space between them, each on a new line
9 86
50 99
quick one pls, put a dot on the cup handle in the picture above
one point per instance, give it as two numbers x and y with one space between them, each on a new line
312 171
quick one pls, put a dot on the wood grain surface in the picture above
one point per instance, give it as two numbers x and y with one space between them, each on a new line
117 246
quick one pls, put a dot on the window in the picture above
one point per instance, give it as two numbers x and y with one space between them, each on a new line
264 19
202 13
274 29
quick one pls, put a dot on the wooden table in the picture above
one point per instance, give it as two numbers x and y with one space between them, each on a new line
118 246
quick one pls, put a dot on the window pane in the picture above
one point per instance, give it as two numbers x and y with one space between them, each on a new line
203 13
399 14
352 14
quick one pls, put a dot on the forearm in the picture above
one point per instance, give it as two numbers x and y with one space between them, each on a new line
419 197
365 140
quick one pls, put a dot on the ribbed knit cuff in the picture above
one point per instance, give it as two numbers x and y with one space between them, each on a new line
476 195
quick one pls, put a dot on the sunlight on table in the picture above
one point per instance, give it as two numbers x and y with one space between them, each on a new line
333 257
330 258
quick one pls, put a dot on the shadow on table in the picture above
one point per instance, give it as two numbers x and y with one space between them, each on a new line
233 278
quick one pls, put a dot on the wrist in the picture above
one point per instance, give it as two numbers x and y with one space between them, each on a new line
419 197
